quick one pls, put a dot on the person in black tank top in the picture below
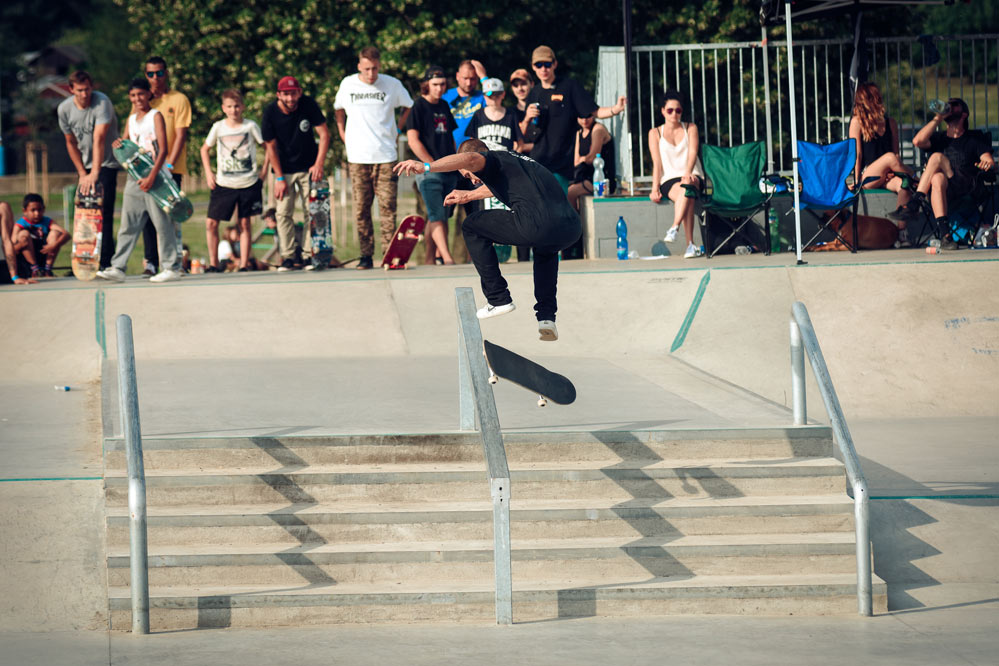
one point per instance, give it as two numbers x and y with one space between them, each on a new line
539 216
877 148
591 138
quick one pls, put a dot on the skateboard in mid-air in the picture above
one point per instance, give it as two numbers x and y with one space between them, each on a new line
164 191
526 373
399 250
88 229
319 226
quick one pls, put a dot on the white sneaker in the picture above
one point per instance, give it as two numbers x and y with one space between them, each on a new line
166 275
112 273
671 234
692 251
547 329
488 311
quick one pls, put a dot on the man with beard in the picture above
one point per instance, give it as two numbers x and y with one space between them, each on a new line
956 155
287 128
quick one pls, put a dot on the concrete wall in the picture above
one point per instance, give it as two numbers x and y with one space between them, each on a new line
648 222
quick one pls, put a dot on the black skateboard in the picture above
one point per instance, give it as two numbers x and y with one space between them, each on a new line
528 374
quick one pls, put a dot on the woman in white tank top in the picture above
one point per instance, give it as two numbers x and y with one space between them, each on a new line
674 147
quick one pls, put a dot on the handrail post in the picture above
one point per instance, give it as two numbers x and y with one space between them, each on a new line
128 398
801 322
473 361
799 408
466 399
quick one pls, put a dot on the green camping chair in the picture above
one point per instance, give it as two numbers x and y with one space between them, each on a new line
735 197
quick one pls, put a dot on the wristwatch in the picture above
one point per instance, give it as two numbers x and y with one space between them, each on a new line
426 167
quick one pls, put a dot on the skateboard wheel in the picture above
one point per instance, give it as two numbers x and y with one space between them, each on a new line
166 209
419 239
493 379
399 236
542 402
182 195
385 266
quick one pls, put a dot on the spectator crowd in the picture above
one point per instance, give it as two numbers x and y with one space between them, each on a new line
549 117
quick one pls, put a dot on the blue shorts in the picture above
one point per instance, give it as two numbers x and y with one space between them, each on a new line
433 188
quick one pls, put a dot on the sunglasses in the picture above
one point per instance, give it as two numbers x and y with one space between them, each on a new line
542 65
158 74
676 109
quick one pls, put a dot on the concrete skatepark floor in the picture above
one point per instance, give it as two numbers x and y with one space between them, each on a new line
931 457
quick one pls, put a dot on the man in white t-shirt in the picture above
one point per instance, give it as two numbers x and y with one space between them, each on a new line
236 183
365 116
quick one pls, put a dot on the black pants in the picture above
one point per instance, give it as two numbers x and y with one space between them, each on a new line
546 236
108 178
151 251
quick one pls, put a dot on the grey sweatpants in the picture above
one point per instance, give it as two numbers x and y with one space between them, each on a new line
134 204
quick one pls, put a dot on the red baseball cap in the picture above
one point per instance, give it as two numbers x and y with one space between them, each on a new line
288 83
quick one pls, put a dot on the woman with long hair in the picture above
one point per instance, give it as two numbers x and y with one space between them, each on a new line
877 147
674 147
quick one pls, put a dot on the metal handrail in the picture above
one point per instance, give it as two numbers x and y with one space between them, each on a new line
128 400
475 398
804 341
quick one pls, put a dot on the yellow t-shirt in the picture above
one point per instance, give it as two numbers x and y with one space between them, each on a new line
176 110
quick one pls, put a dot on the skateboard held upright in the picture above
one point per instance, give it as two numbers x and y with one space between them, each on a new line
398 252
88 230
164 191
320 227
526 373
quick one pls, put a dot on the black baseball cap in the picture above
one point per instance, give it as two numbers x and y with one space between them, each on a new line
434 72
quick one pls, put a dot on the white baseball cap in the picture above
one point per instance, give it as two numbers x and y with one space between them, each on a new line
491 86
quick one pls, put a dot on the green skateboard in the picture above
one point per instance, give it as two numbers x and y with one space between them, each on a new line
164 191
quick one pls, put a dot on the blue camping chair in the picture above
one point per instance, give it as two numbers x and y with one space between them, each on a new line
824 171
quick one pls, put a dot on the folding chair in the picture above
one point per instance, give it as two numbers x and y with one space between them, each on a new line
735 197
823 172
966 213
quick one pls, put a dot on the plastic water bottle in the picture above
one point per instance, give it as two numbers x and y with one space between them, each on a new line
622 239
743 249
939 106
774 224
935 242
599 179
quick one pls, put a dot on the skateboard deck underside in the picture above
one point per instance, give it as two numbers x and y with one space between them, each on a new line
164 191
320 228
88 227
404 241
528 374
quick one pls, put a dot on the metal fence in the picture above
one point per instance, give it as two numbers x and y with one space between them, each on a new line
725 91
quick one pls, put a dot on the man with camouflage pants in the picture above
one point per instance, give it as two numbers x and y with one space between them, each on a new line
365 116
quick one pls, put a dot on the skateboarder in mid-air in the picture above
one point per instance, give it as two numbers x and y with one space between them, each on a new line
540 217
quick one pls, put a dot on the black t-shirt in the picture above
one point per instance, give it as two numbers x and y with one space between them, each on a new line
526 187
296 144
560 106
435 125
963 152
496 134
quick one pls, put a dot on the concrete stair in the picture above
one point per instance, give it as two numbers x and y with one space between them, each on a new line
291 531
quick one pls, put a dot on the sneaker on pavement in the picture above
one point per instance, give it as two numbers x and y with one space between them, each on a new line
671 234
547 330
903 238
286 265
166 275
149 271
365 263
112 273
948 243
487 311
692 251
905 213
